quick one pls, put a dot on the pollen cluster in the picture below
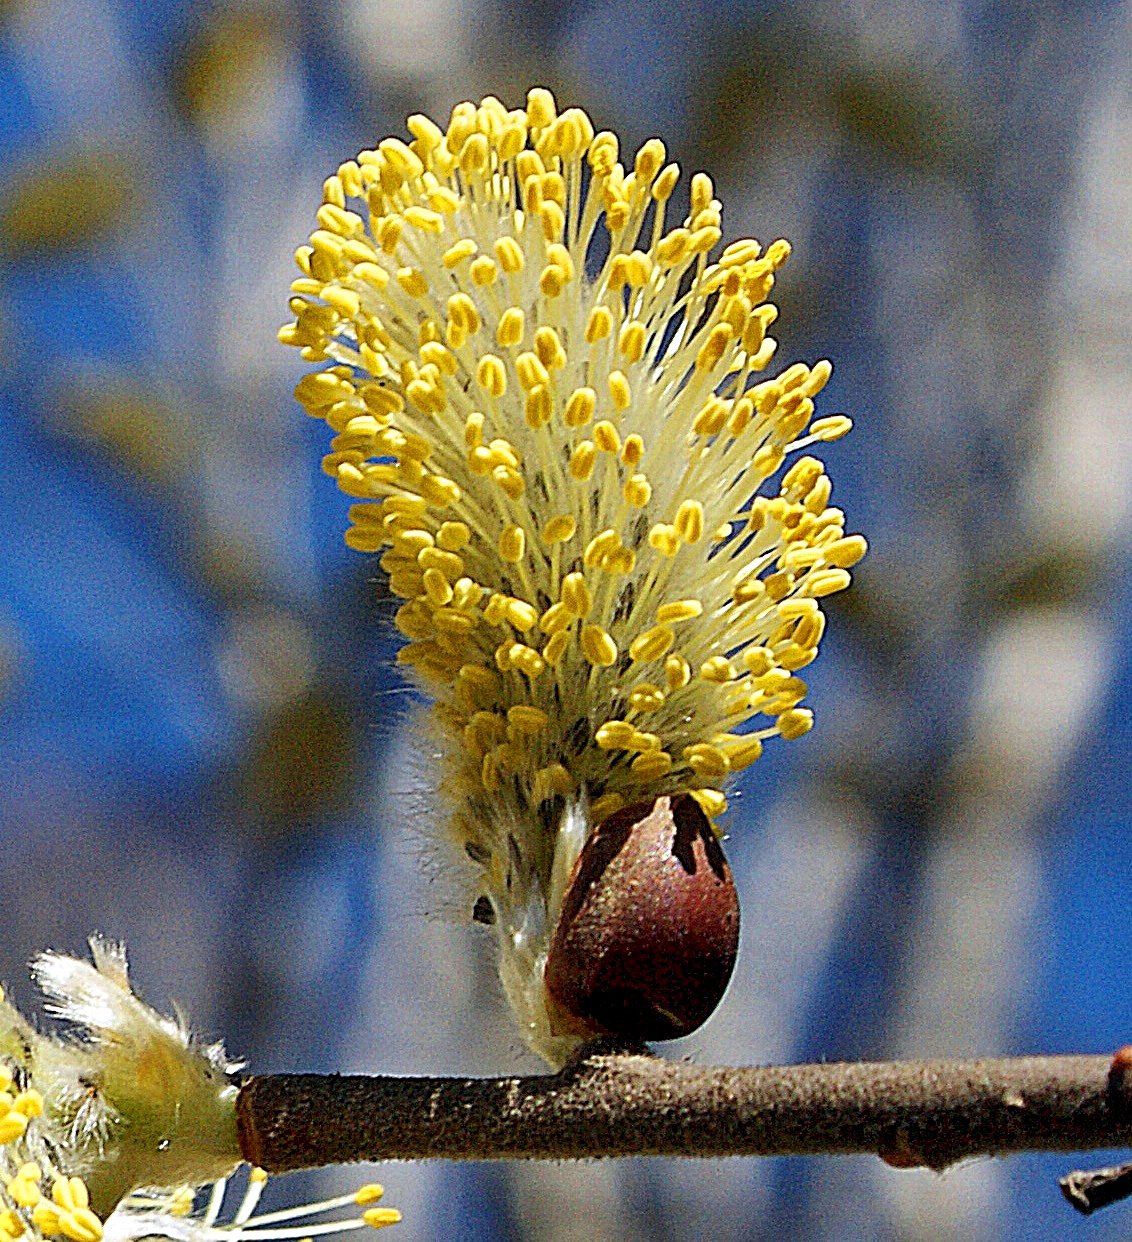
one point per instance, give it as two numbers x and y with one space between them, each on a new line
544 388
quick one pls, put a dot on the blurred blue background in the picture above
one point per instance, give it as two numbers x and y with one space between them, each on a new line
203 742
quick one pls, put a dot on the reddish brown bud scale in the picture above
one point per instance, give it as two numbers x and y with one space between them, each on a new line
647 937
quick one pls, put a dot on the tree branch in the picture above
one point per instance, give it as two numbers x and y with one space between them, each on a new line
618 1103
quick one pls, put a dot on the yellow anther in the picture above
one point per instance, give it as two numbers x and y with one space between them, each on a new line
652 644
437 588
527 660
832 428
711 419
412 281
712 350
530 371
582 460
689 522
822 582
551 780
707 761
712 801
401 157
631 341
555 647
541 110
521 615
600 546
380 1217
599 324
606 438
510 330
718 669
614 735
483 271
646 697
538 407
677 672
509 254
579 407
371 1192
619 391
795 723
463 311
651 765
560 528
638 491
664 539
448 563
512 543
452 536
556 619
576 594
491 375
845 553
457 253
632 451
741 751
679 610
474 154
510 480
548 346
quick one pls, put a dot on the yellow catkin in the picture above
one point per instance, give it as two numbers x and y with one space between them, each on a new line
543 378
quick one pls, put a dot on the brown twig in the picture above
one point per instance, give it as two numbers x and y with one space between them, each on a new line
928 1113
